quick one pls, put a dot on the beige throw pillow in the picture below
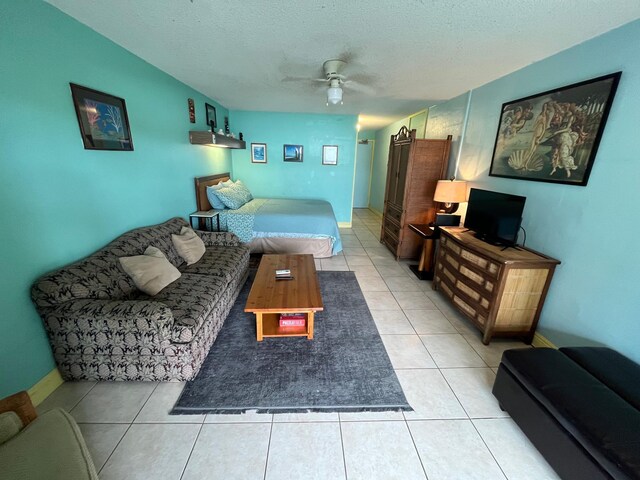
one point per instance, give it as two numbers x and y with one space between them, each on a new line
189 245
150 272
10 426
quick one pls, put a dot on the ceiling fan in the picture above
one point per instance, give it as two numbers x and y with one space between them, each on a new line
332 69
336 81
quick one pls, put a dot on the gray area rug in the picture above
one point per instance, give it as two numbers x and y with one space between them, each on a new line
345 368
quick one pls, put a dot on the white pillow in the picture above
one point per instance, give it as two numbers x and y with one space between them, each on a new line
189 245
150 272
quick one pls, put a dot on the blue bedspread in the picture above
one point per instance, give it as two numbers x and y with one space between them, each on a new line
283 217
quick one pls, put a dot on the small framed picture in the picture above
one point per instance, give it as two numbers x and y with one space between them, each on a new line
103 120
258 153
329 154
211 115
293 153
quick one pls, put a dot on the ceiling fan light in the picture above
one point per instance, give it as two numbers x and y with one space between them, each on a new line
334 95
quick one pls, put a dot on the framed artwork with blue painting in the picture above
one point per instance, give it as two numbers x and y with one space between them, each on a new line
258 153
103 120
293 153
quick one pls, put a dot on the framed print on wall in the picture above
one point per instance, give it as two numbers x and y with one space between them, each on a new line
554 136
258 153
293 153
102 118
211 116
329 155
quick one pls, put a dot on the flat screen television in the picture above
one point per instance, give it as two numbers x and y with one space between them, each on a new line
494 217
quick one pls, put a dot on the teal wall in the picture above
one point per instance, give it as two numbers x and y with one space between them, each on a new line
307 179
59 202
448 119
367 135
592 229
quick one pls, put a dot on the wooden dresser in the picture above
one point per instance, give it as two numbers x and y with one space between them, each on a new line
501 291
413 170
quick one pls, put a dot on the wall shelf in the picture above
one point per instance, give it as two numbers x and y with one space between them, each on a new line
212 139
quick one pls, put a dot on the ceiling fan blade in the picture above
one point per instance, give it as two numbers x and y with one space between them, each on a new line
358 87
303 79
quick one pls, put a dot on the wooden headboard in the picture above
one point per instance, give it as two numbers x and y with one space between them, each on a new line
202 202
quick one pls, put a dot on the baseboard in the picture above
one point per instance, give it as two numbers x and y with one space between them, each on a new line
542 342
344 224
45 387
375 211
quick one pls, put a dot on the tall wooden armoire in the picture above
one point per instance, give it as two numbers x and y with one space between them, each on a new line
413 170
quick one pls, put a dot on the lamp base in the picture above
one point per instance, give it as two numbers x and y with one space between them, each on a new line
447 220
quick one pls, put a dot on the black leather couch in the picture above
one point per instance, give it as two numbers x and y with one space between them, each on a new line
579 406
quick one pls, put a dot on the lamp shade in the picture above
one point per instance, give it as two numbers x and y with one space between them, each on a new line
451 191
334 95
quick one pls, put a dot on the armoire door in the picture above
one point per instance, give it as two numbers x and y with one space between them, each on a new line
403 164
392 173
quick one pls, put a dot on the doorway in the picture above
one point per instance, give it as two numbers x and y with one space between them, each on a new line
362 184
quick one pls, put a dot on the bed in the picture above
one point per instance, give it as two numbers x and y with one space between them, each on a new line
277 225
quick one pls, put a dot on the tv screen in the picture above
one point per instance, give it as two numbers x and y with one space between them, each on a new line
494 217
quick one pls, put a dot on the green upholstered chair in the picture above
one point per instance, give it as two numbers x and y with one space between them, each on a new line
49 446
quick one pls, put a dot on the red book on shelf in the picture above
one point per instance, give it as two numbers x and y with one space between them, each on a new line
292 322
293 319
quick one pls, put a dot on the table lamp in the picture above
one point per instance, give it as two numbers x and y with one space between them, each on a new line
449 193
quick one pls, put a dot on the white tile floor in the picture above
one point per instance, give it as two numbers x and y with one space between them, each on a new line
456 431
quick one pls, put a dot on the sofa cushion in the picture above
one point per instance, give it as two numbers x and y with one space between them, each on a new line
613 369
224 262
188 245
191 298
602 422
150 272
99 276
49 448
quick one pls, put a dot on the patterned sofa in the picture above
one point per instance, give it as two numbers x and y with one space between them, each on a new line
101 327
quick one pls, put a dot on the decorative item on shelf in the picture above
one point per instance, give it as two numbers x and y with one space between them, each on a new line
220 132
329 155
103 120
226 126
211 116
293 153
192 110
241 136
554 136
258 153
449 193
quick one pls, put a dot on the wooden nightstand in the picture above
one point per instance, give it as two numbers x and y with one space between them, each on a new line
429 234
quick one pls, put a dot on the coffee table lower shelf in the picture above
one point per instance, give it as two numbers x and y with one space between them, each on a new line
268 325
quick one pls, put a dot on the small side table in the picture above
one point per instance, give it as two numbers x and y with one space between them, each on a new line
205 220
424 269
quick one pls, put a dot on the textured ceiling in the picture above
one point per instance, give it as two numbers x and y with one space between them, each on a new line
411 52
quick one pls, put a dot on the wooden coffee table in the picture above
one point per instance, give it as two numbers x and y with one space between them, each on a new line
270 297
